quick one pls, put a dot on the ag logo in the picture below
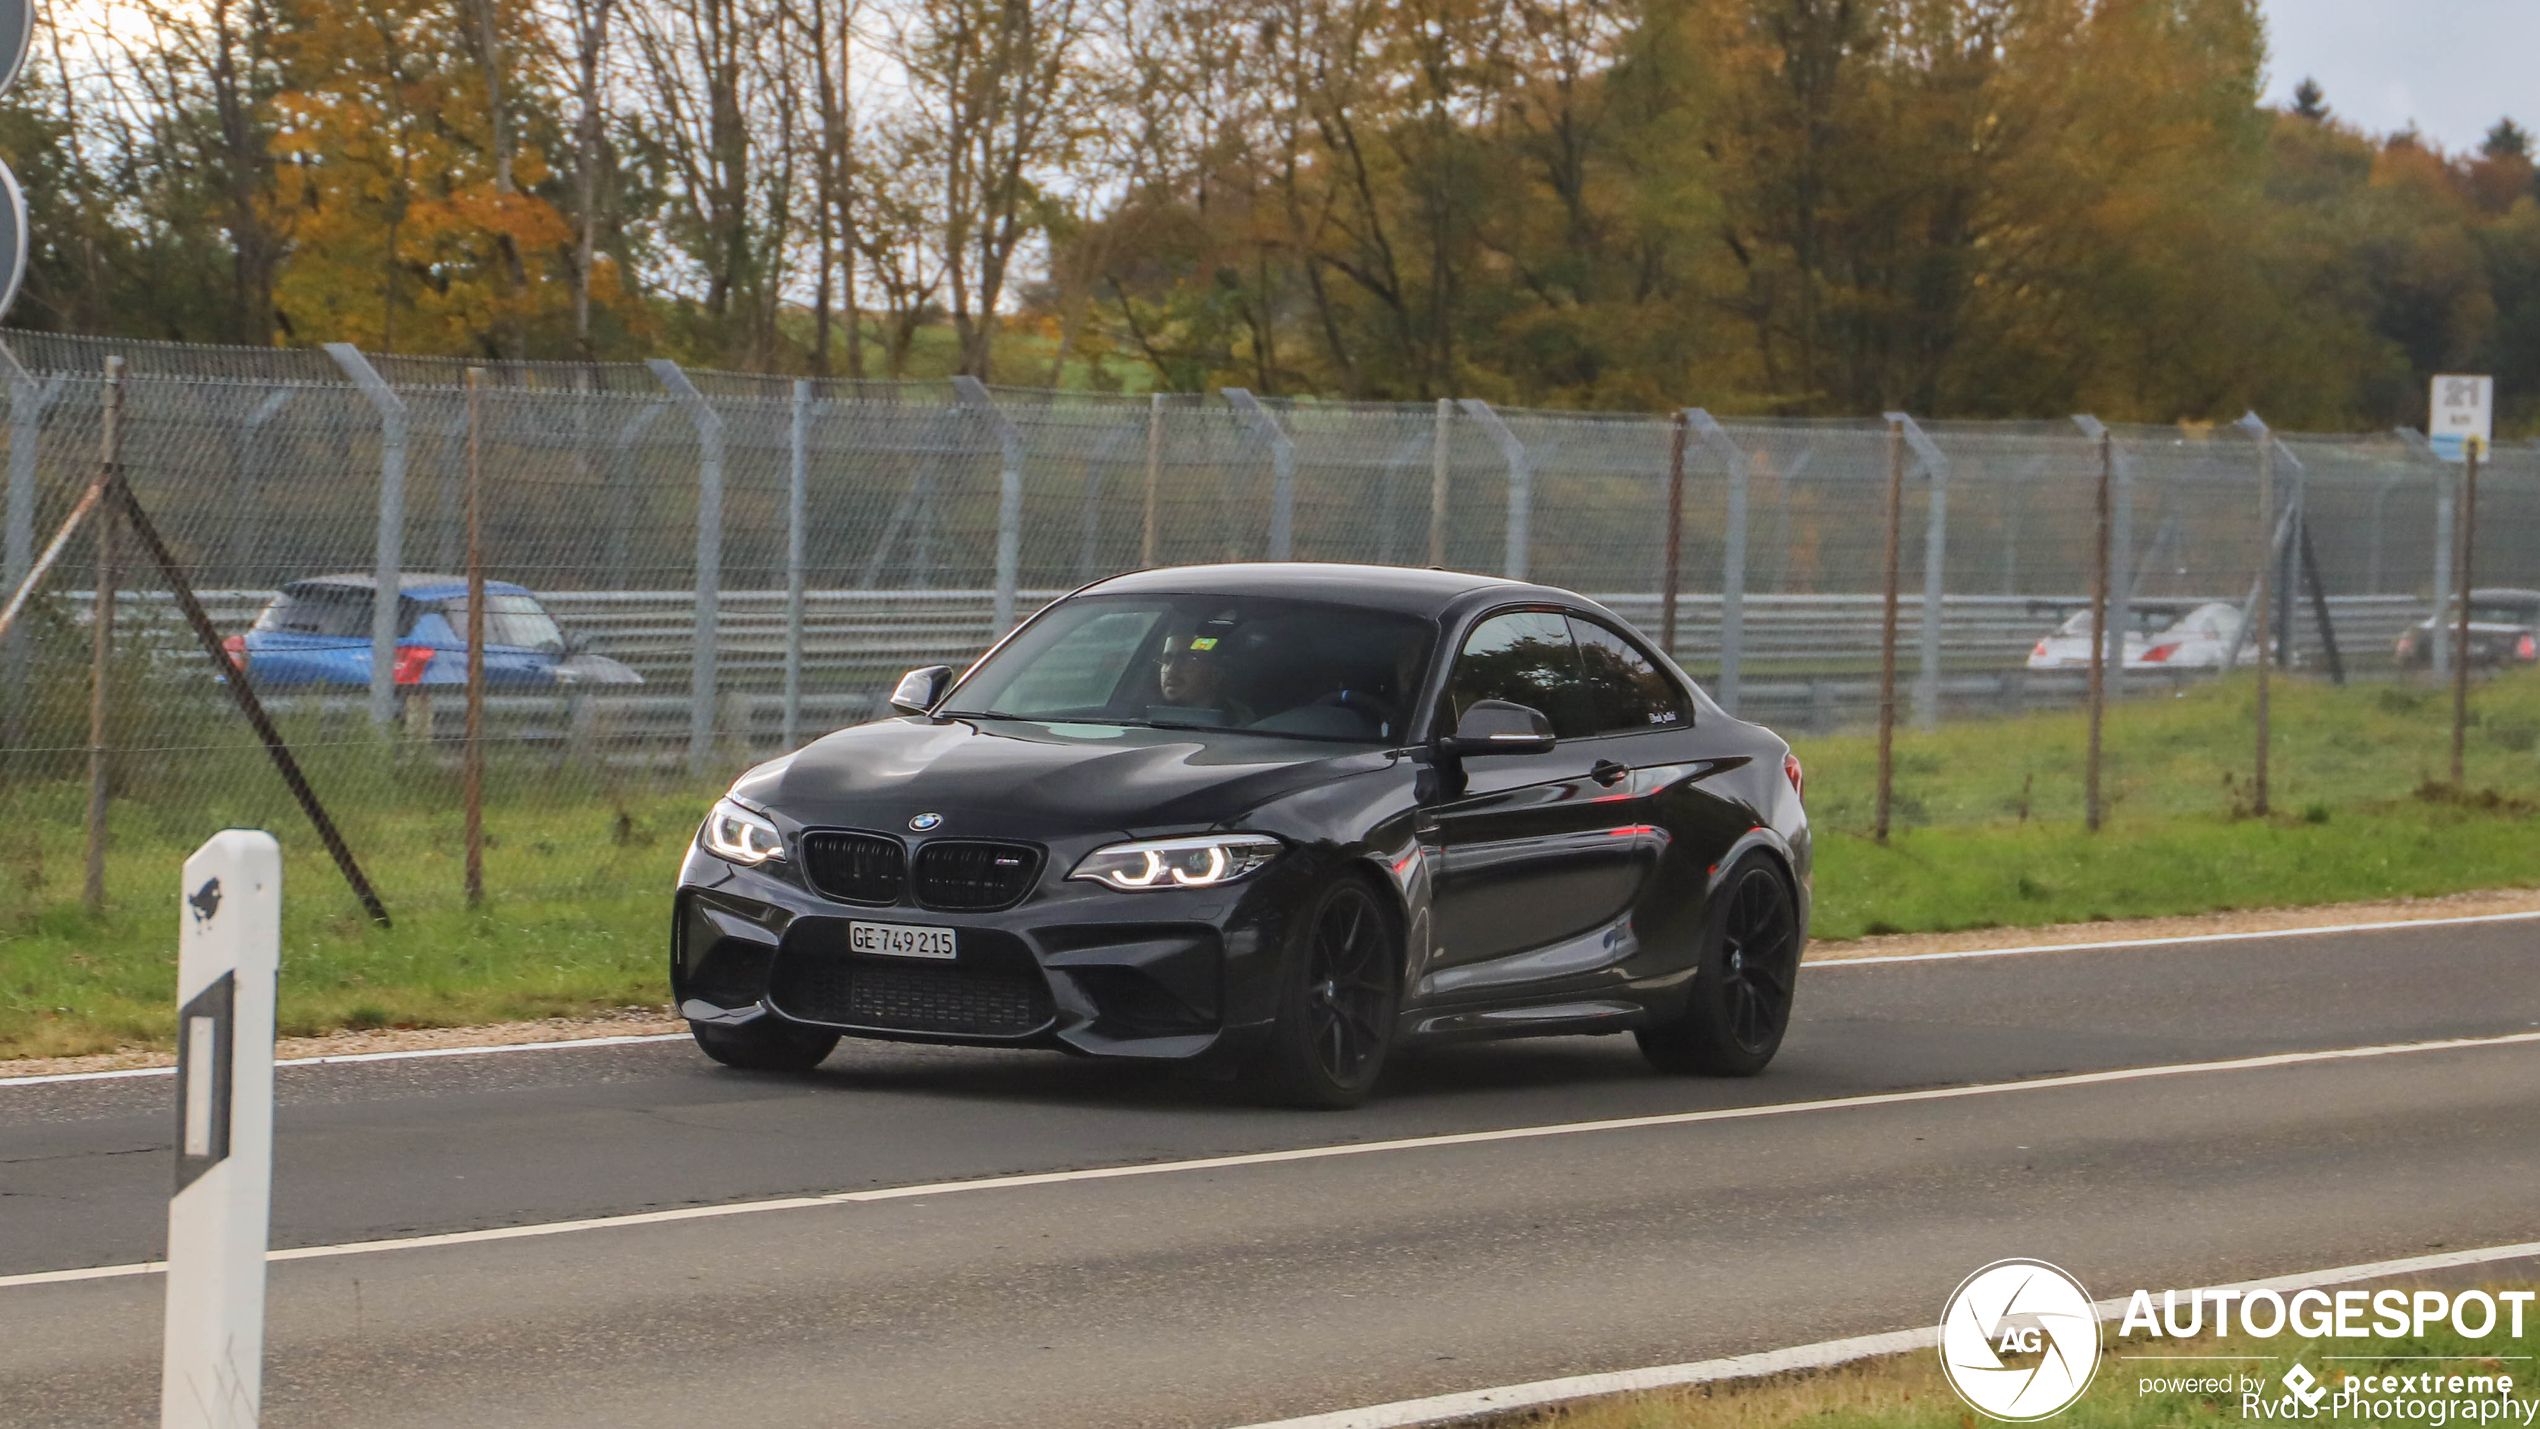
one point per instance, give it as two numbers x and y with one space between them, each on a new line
2018 1340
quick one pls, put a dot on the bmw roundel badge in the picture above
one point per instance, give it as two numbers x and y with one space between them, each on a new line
923 822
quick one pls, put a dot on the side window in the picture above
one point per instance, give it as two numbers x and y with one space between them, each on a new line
1629 692
340 612
1526 657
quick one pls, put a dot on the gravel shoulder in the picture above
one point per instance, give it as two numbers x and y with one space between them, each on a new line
658 1021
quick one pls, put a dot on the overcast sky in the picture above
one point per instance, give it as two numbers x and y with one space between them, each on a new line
2452 66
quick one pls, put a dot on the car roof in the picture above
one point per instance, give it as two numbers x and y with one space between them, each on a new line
414 585
1410 589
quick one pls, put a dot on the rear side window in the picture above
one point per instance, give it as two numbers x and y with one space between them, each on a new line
1526 657
1628 691
340 612
318 610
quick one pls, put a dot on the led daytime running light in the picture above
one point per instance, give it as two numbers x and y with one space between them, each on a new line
739 835
1202 861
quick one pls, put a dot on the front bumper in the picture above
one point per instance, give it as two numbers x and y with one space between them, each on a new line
1166 975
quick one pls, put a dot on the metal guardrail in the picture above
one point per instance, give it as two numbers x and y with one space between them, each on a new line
1807 656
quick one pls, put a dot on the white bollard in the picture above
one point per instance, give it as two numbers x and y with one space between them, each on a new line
229 942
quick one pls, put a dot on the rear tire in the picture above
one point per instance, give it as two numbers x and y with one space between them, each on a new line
765 1045
1340 989
1740 1002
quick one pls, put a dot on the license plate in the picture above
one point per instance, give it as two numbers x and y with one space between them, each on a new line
900 940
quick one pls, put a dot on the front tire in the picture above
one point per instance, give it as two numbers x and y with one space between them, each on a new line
1740 1002
1338 996
765 1045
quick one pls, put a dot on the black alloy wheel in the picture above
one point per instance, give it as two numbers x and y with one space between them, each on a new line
1337 1011
1740 1001
764 1045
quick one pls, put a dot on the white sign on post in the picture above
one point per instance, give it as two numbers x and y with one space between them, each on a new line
2462 410
17 36
229 946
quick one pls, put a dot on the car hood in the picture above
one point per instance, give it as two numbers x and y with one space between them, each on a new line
1041 781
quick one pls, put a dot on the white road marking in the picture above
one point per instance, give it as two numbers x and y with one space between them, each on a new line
1835 962
1444 1408
339 1057
1310 1153
1843 962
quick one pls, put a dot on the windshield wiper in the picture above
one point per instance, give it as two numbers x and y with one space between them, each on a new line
1046 719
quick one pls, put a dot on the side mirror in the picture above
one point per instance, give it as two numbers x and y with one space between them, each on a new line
1499 727
918 690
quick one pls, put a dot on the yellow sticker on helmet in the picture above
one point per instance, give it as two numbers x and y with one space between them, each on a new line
1204 642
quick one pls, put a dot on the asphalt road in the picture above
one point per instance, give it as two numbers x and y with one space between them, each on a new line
1237 1293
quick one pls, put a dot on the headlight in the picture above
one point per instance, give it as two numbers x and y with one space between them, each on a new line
734 833
1202 861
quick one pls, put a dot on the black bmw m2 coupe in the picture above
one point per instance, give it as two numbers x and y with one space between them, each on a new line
1271 820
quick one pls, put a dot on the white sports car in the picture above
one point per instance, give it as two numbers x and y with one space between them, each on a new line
2160 639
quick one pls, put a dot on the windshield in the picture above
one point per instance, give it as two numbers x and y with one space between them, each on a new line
514 620
2140 620
1296 668
2212 621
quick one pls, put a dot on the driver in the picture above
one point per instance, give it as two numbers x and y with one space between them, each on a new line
1191 673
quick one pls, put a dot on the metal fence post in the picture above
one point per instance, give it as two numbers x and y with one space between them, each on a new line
1732 560
1935 569
703 669
27 402
1282 469
2444 555
1894 545
1440 450
247 524
1521 486
2380 498
452 537
972 393
2121 549
1155 461
620 554
2100 630
2288 564
2262 606
1785 484
2446 588
392 527
1672 554
795 476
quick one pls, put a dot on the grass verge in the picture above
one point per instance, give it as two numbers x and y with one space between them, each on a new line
1908 1392
579 865
1988 813
575 919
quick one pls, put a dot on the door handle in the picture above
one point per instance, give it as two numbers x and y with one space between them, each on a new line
1609 773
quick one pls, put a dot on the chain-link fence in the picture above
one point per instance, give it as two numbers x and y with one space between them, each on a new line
735 563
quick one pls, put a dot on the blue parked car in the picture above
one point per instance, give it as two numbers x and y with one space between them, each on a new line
317 632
